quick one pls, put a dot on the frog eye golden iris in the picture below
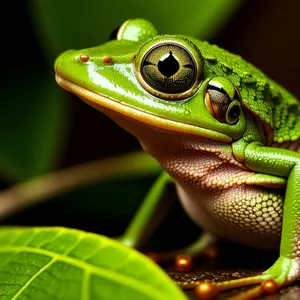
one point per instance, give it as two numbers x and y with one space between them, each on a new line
169 70
223 101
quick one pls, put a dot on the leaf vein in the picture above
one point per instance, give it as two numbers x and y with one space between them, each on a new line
45 267
124 280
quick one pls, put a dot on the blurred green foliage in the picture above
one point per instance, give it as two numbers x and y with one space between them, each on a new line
33 117
72 24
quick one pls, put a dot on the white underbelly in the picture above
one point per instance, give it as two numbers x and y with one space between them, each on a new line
198 205
193 204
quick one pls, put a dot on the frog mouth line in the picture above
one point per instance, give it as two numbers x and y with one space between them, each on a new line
137 114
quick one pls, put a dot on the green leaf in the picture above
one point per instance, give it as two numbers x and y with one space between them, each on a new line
59 263
32 124
70 24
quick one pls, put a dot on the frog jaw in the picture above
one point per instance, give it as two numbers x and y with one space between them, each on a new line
102 101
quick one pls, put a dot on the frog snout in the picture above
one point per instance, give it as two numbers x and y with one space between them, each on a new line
59 59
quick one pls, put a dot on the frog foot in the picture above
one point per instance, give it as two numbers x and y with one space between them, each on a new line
284 271
202 247
183 262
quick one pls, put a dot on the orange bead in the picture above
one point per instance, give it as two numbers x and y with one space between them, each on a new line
205 290
107 60
212 252
183 263
84 58
269 287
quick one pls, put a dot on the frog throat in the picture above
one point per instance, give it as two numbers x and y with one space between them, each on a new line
139 115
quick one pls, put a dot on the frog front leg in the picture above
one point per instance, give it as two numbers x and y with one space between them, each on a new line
286 269
148 218
142 224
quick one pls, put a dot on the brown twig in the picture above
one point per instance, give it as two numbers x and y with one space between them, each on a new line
39 189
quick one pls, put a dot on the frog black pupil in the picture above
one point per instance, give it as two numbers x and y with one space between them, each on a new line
168 66
235 111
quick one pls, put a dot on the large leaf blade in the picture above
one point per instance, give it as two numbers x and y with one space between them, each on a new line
60 263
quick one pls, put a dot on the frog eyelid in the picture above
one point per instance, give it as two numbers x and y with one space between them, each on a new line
216 88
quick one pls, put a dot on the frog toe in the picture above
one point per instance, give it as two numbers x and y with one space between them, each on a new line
204 246
283 272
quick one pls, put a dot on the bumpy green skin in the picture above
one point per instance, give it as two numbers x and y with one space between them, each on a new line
271 103
258 155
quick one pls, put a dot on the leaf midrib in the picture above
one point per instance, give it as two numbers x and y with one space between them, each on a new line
101 272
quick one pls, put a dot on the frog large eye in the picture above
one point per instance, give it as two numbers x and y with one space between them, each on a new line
223 100
170 70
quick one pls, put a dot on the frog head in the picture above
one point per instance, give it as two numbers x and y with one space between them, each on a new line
156 81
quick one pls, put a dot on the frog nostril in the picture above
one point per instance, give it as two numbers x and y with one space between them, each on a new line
84 58
107 60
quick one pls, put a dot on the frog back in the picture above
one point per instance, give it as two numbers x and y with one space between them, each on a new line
274 107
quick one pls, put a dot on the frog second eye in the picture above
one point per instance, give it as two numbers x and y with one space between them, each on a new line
169 70
114 34
223 101
136 30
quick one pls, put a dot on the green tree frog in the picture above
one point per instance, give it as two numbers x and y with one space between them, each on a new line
223 132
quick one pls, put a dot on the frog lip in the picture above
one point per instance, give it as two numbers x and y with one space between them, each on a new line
138 114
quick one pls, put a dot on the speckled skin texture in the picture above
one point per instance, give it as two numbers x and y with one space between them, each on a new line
217 191
214 191
297 240
278 108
